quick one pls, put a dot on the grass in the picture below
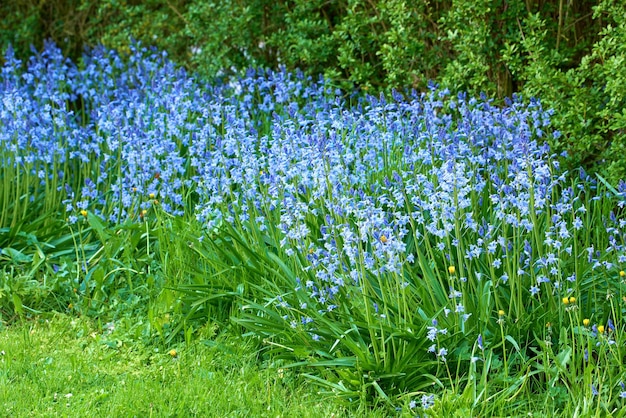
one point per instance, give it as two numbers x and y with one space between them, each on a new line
67 366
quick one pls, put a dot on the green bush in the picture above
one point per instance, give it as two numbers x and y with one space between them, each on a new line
600 83
29 22
583 81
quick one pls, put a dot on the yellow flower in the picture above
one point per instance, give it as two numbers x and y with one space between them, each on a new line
586 322
572 299
173 353
84 213
383 239
601 329
451 269
622 273
565 301
501 312
151 195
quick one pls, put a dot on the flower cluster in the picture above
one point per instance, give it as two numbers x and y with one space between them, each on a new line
355 195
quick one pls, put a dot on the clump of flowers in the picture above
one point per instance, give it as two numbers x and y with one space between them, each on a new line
401 224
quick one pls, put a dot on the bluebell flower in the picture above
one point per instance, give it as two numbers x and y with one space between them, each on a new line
428 401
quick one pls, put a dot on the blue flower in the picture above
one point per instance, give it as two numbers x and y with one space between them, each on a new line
428 401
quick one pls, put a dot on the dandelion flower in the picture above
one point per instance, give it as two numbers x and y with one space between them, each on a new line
586 322
173 353
501 312
601 329
451 269
572 299
84 213
565 301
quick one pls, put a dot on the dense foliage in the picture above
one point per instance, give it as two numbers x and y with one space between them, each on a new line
418 251
571 54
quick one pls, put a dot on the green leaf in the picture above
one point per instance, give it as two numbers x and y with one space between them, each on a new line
513 342
563 358
17 256
17 303
96 223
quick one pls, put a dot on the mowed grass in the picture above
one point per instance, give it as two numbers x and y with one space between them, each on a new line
73 367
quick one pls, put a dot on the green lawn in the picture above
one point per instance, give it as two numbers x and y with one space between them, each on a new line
65 366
